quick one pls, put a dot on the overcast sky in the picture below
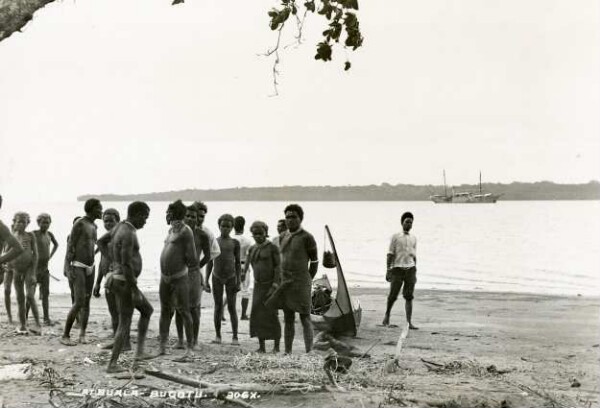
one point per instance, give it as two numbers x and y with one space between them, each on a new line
132 96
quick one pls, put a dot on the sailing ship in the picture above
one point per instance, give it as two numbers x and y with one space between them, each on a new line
342 317
465 197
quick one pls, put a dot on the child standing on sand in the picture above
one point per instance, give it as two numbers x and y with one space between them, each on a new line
44 239
24 268
226 277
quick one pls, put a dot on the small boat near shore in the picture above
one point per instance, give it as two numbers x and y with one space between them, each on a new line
465 197
342 316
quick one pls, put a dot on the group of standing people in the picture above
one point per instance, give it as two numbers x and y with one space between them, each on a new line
278 272
274 274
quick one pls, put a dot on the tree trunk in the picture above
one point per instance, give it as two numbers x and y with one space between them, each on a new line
14 14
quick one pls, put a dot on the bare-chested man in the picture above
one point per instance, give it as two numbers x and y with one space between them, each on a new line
80 259
177 260
201 241
122 282
10 248
110 218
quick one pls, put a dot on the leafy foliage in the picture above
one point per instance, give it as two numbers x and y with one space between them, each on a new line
342 24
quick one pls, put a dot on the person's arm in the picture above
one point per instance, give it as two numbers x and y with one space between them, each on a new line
102 245
205 247
127 250
276 258
215 250
209 268
311 249
54 244
238 264
75 234
11 242
391 253
34 249
191 258
415 254
247 264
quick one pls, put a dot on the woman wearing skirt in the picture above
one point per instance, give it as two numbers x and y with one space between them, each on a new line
265 262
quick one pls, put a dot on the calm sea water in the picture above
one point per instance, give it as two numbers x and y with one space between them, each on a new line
548 247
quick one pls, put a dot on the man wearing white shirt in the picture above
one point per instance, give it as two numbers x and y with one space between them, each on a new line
402 269
245 243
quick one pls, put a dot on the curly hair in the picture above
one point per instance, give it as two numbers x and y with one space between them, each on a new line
295 208
225 217
43 216
21 215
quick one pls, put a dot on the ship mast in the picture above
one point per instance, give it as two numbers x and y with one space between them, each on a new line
480 182
445 188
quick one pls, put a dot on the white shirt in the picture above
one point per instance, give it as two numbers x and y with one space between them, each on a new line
403 247
215 250
245 244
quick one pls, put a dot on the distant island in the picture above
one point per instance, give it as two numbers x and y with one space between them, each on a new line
543 190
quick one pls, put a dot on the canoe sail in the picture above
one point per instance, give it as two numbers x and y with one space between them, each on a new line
342 318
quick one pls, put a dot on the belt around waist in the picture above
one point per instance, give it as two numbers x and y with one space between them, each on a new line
170 278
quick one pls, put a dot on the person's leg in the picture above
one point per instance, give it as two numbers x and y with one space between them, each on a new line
30 285
78 280
195 288
288 329
146 310
182 291
166 314
261 346
195 314
19 283
124 301
231 301
179 325
408 294
113 310
85 310
395 286
245 302
217 290
8 282
44 282
307 331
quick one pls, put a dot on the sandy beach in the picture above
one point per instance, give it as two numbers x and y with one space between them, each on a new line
471 349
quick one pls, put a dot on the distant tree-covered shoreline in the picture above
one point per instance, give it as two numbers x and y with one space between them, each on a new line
543 190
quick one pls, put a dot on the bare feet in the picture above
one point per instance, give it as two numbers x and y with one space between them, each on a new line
83 340
217 340
162 349
244 317
107 346
180 345
412 327
37 330
22 330
261 351
66 341
112 369
235 342
386 320
144 356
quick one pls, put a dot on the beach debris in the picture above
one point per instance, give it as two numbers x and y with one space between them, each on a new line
337 364
325 341
392 364
575 383
88 361
15 372
596 345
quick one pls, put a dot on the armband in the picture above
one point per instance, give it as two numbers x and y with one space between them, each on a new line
315 261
